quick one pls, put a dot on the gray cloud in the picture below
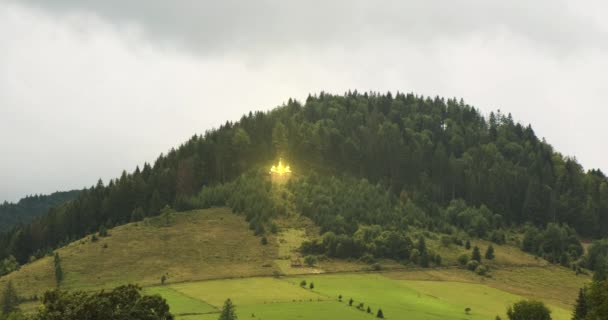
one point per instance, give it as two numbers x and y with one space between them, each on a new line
214 27
89 88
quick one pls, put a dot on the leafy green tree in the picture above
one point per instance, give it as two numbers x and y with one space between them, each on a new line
228 311
580 308
476 254
10 299
490 253
9 265
303 283
124 302
311 286
529 310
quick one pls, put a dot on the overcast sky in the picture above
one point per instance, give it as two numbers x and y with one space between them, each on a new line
89 88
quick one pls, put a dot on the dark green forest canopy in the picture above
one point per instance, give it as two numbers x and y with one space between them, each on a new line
12 214
428 151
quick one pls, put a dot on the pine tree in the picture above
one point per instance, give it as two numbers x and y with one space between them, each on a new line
490 253
10 299
476 254
228 311
467 245
380 314
58 270
580 310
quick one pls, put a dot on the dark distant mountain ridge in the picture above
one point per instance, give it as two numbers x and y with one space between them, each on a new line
26 209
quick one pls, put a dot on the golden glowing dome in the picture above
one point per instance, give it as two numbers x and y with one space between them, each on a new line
280 169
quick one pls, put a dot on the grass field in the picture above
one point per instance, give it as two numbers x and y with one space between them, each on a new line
274 299
197 245
210 255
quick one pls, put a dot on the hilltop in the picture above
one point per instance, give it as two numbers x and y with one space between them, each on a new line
377 183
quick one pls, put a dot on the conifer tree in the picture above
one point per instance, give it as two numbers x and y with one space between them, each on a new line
10 299
476 254
490 253
58 270
228 311
467 245
580 310
380 314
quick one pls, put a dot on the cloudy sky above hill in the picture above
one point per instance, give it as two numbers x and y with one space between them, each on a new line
89 88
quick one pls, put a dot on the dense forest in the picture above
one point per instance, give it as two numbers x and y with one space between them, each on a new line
429 162
12 214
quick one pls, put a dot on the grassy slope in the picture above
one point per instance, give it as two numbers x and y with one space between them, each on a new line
216 244
204 244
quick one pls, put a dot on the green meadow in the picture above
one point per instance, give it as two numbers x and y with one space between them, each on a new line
271 298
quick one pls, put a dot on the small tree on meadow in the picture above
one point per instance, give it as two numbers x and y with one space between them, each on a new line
58 270
163 279
476 254
228 311
340 298
467 245
350 302
369 310
380 314
303 283
490 253
312 285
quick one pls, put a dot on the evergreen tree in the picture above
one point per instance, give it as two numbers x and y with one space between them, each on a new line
476 254
228 311
10 299
490 253
580 309
58 270
467 245
380 314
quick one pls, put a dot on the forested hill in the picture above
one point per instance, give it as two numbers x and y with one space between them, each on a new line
12 214
429 151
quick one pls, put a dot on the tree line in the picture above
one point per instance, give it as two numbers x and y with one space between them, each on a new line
426 153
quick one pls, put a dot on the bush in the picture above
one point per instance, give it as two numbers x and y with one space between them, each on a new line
310 260
472 265
303 283
264 241
529 310
463 259
481 270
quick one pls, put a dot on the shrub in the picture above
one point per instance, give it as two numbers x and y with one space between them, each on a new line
303 283
472 265
481 270
310 260
529 309
463 259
